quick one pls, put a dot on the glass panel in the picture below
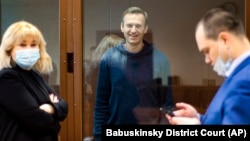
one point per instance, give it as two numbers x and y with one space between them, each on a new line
171 29
45 15
106 20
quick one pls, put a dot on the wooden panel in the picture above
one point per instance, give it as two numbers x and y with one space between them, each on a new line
198 96
247 18
63 135
78 66
71 82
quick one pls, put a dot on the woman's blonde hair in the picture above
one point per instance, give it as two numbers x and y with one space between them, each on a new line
16 33
107 42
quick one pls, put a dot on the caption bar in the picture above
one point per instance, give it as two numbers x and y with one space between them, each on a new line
158 132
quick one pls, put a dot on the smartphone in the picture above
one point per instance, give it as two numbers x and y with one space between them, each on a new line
167 110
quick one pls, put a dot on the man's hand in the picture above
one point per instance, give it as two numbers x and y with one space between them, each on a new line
185 114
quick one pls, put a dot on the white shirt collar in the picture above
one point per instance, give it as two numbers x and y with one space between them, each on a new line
237 62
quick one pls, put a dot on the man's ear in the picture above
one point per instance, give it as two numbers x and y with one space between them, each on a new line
224 36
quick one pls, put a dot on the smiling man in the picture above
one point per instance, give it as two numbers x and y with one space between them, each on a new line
130 78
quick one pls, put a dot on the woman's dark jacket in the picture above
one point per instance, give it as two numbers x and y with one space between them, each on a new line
21 94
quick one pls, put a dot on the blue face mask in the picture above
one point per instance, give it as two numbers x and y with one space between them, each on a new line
27 58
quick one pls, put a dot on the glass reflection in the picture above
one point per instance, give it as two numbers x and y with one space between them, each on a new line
171 30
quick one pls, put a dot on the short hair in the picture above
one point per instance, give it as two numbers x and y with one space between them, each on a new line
14 34
218 20
135 10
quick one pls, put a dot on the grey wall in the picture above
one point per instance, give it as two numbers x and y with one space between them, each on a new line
171 22
42 13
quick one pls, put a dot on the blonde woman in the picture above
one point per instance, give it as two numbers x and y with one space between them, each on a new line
107 42
30 110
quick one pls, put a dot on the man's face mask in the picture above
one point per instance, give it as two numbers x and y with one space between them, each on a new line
220 66
27 58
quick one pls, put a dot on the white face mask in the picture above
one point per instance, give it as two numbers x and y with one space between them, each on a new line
220 67
27 58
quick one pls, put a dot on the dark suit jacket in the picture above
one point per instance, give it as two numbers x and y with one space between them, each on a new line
21 94
232 101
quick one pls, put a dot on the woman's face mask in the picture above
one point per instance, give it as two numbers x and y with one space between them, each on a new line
27 58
